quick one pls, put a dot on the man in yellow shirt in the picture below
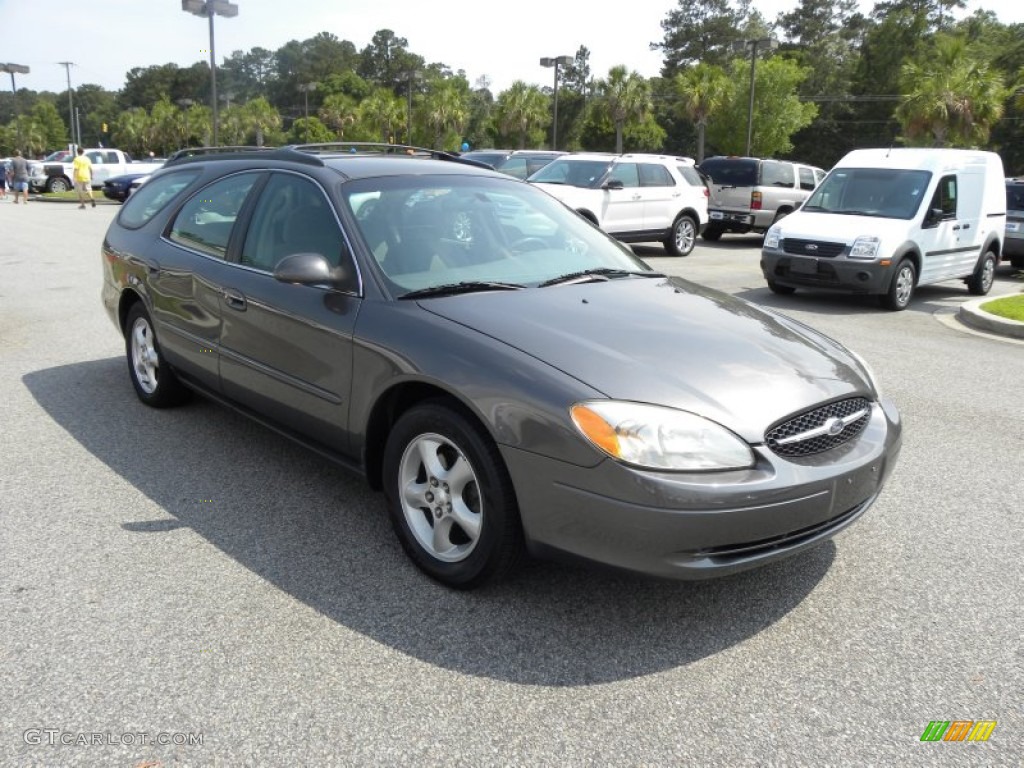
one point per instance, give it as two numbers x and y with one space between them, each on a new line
83 178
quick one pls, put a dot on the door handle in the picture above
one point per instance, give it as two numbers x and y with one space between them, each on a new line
234 299
956 227
966 226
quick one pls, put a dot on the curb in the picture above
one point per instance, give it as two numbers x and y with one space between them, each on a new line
970 313
57 201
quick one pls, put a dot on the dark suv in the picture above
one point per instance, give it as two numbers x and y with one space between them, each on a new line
513 162
1013 245
749 194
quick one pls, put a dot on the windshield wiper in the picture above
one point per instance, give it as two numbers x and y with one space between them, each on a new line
811 208
466 286
601 273
853 212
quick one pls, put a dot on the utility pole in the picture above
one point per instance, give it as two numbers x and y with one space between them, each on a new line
71 109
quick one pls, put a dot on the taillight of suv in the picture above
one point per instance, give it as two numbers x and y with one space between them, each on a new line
755 201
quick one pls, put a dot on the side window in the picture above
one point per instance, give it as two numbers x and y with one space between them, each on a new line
206 220
152 196
691 174
818 176
652 175
292 216
807 179
945 197
626 173
776 174
96 158
516 166
110 157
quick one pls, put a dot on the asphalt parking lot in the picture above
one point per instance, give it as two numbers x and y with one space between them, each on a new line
189 577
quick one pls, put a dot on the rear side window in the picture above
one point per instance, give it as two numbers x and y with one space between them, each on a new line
152 196
1015 197
652 175
807 179
515 166
205 222
691 174
730 171
776 174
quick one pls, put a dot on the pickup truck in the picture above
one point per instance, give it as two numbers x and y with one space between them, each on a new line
57 177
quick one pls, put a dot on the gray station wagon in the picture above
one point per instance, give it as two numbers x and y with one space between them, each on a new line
512 378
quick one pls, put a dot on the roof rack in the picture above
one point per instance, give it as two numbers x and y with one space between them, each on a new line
364 148
313 154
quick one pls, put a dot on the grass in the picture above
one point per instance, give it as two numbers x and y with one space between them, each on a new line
71 196
1010 307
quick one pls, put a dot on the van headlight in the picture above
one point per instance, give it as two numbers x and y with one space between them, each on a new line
655 437
865 248
771 240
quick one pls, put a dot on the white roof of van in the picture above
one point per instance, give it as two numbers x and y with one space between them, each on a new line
918 158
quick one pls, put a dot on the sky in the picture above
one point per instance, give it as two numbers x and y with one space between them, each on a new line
105 38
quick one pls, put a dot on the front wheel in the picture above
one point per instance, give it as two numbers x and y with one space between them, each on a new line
984 275
901 288
450 498
781 290
683 237
154 381
57 184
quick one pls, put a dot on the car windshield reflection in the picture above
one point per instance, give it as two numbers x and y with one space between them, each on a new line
443 231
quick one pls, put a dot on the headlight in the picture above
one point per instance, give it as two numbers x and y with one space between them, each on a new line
771 240
868 372
655 437
864 248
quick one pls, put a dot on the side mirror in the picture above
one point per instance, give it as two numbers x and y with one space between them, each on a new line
613 184
933 217
308 269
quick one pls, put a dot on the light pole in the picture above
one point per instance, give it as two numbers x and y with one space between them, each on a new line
408 111
555 62
306 88
20 69
185 104
76 136
211 8
741 45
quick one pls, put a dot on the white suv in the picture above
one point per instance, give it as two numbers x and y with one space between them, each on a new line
635 198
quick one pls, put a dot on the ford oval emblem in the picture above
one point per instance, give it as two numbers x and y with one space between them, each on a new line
810 247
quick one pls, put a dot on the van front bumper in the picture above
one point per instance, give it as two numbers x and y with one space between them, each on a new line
839 273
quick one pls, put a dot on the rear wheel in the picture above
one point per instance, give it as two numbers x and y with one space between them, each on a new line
450 498
981 281
901 289
711 234
683 236
154 381
57 184
1017 262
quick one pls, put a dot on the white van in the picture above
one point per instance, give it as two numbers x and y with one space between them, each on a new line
887 220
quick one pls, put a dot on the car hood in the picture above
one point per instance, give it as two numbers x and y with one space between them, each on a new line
842 228
670 342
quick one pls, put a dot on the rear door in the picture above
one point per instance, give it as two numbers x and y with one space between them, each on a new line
623 209
663 197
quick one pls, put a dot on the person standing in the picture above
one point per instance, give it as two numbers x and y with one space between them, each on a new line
82 171
19 176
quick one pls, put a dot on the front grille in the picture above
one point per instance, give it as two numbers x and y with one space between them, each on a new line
813 423
820 248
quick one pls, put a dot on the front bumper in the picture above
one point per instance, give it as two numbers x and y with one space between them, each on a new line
700 525
839 273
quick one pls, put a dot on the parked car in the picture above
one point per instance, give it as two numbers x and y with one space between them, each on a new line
749 194
1013 246
635 198
512 378
106 163
885 221
514 162
120 187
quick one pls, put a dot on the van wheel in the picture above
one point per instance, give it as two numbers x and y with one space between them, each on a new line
683 236
782 290
981 281
711 234
901 288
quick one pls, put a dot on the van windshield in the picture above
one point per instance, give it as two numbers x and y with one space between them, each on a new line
881 192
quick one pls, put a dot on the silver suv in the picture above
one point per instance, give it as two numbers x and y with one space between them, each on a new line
635 198
749 195
1013 246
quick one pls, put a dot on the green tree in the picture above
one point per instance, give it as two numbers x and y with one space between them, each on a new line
381 114
54 133
338 112
131 131
698 31
778 111
522 112
703 90
310 131
951 98
446 110
624 98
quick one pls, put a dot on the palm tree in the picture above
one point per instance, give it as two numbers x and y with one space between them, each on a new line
952 98
521 109
338 111
703 90
624 96
382 111
445 108
260 118
131 129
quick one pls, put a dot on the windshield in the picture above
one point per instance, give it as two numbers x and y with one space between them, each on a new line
430 231
880 192
575 173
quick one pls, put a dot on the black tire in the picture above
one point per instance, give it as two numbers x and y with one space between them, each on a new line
154 381
58 184
1017 262
782 290
711 234
682 237
984 275
901 289
481 538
